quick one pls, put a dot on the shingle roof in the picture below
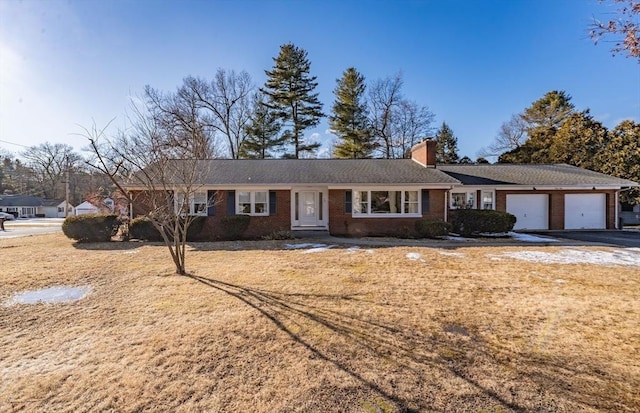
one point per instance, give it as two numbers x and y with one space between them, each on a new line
20 200
319 171
530 174
216 172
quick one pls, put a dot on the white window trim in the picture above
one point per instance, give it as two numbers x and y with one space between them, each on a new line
252 201
177 201
467 192
493 199
478 203
401 214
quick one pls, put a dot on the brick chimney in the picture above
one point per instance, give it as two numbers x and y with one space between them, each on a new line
425 153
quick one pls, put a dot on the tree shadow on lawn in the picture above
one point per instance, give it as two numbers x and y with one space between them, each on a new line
412 351
497 376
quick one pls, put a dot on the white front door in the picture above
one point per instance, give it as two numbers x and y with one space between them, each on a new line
307 205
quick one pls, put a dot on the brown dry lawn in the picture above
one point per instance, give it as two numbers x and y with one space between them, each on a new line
258 328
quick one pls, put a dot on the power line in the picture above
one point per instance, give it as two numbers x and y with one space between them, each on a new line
13 143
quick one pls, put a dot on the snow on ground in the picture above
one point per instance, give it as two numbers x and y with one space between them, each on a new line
455 238
451 253
356 248
308 248
49 295
530 238
513 235
414 256
625 257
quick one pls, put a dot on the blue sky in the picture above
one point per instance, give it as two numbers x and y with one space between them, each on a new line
474 63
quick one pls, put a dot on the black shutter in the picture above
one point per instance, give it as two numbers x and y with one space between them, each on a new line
425 201
347 202
272 202
231 202
211 203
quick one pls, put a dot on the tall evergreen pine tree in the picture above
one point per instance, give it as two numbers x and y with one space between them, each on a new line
446 145
349 119
262 131
289 88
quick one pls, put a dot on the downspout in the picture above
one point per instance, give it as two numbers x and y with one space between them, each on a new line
616 224
446 203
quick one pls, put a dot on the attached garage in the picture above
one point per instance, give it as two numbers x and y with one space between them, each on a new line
585 211
530 210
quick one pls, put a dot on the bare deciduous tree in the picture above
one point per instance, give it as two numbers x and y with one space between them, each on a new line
226 103
384 95
512 135
412 124
179 114
625 28
165 179
50 163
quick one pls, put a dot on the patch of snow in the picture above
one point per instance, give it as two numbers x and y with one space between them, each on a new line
451 253
50 295
318 248
414 256
625 257
356 248
454 238
530 238
303 246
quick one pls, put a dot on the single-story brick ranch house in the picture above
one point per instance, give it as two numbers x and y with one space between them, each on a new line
360 197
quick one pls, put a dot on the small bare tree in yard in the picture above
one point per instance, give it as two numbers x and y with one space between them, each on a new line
165 178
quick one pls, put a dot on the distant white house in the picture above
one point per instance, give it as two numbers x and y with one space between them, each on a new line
54 208
87 208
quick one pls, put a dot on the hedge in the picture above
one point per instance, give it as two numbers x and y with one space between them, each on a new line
468 222
233 226
91 228
426 228
142 228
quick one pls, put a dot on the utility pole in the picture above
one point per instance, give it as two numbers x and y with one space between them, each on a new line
66 190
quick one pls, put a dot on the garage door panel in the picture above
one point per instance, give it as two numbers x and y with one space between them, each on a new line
585 211
531 210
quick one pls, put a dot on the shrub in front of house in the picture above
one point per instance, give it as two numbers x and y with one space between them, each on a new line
142 228
91 228
467 222
233 226
427 228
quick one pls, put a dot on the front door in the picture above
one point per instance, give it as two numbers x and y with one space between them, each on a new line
308 208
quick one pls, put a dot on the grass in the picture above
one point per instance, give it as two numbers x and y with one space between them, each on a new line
259 328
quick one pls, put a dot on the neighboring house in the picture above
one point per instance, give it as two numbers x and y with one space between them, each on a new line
630 214
360 197
25 206
54 208
87 208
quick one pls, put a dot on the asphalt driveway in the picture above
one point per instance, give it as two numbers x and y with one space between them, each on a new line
625 238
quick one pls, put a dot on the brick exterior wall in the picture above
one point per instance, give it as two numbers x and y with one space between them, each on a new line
556 205
344 224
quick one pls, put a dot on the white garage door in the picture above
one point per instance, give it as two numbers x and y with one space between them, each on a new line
531 211
585 211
